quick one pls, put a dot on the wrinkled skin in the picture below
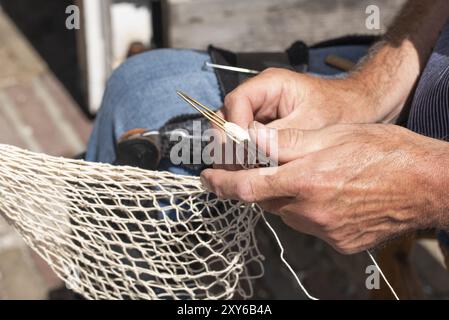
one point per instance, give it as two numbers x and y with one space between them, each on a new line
354 186
286 99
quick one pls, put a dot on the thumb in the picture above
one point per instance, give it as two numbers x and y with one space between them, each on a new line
287 144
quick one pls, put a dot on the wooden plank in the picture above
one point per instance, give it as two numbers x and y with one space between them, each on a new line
267 25
38 114
19 60
68 106
35 117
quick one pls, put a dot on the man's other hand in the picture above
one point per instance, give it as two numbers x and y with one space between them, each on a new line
353 186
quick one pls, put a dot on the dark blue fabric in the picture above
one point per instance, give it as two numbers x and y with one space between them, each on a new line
444 239
429 114
430 108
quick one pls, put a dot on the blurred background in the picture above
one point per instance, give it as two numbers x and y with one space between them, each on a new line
52 81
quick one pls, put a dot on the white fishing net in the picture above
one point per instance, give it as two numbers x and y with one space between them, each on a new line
125 233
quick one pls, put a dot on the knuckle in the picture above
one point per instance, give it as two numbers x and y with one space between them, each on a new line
294 138
245 191
278 70
271 180
229 99
271 70
324 223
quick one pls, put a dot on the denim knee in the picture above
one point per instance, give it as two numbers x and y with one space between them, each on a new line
133 83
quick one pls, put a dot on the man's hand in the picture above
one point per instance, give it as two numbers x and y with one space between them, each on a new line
354 186
287 99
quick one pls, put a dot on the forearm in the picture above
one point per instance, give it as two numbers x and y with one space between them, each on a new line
390 72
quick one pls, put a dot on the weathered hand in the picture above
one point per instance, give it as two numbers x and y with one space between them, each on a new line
287 99
354 186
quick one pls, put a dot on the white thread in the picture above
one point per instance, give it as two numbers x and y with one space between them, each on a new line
236 132
382 274
285 261
289 267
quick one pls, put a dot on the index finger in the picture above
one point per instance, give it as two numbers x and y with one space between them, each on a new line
249 186
238 108
255 99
